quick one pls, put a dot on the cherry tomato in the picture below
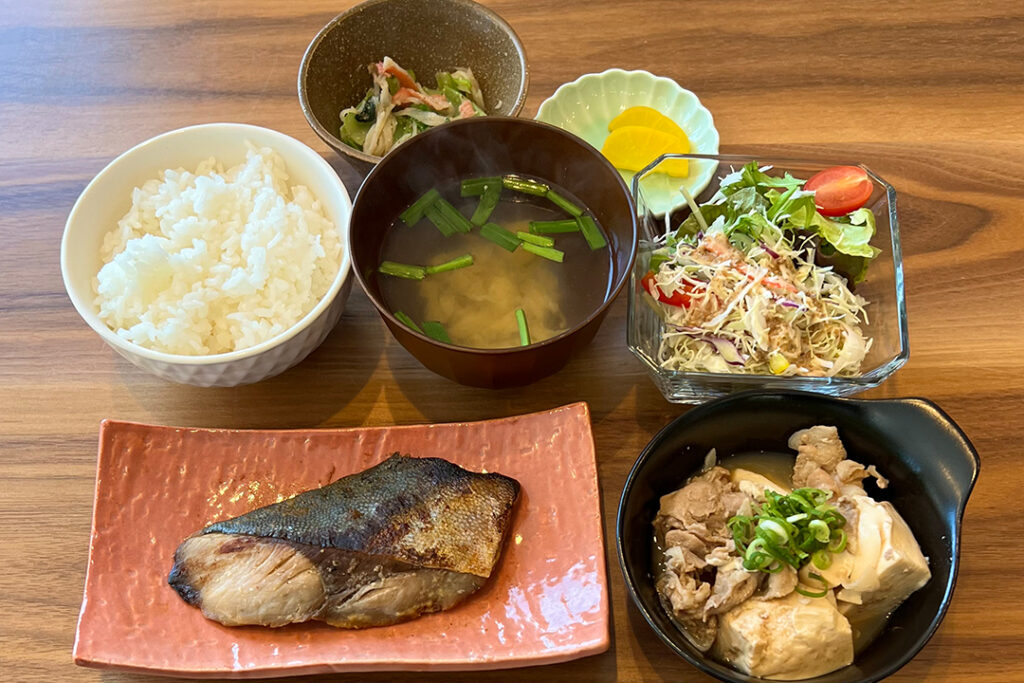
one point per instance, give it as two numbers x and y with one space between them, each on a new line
678 298
840 189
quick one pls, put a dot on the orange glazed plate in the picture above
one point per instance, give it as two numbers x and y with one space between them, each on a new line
546 602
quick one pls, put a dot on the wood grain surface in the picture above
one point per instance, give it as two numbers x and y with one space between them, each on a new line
929 94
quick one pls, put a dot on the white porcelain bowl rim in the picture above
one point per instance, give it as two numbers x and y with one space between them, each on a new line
84 306
616 70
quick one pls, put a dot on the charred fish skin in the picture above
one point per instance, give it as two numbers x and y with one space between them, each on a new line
403 538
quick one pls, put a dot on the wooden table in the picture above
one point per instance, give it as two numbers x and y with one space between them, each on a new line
928 94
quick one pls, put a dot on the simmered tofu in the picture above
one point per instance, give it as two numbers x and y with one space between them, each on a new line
885 565
760 620
788 638
754 484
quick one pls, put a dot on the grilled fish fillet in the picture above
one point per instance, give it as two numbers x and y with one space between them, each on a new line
404 538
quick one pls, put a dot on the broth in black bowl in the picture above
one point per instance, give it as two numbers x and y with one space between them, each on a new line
476 303
484 147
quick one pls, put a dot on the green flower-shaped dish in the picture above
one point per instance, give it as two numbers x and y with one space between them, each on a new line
587 105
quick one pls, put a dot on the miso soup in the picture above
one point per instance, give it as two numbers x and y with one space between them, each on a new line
477 304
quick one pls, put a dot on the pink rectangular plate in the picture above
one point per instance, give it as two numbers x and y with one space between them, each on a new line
547 601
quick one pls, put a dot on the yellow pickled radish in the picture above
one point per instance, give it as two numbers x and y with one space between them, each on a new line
648 118
631 148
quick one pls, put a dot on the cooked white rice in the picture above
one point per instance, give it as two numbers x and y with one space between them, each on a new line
216 261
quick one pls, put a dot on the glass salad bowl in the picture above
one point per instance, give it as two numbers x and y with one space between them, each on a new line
882 288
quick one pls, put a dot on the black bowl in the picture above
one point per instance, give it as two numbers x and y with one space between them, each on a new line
930 463
424 35
480 146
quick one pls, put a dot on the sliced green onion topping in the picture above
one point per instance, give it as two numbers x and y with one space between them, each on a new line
822 559
402 270
524 330
776 529
460 262
539 240
790 530
820 530
837 541
813 594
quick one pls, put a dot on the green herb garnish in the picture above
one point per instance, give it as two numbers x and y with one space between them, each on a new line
539 240
435 330
463 261
453 216
440 220
474 187
564 204
488 202
524 330
415 212
403 270
791 530
553 227
500 236
407 321
549 253
591 232
525 186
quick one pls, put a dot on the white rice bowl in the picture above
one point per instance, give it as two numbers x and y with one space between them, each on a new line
217 260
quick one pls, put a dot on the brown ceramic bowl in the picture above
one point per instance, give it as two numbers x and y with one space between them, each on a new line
426 36
481 147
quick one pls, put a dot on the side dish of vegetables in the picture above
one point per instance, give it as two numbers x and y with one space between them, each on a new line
397 106
758 279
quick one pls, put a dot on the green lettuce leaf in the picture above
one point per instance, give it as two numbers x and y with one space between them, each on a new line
710 212
851 234
847 235
786 204
746 200
752 176
853 268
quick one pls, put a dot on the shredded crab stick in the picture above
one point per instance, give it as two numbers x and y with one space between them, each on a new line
407 95
397 107
391 67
